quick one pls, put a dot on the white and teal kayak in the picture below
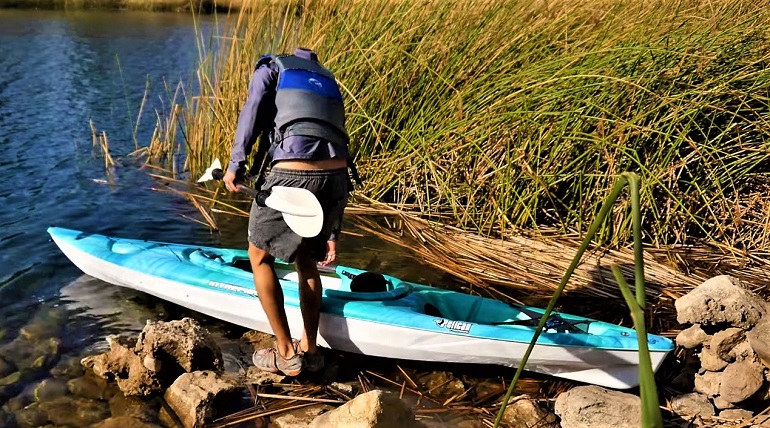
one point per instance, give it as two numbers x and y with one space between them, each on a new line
403 320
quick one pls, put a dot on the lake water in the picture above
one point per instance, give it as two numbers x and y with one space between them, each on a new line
58 71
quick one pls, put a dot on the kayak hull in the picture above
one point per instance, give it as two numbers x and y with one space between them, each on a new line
347 324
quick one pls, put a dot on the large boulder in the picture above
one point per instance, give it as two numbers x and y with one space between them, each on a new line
373 409
595 407
722 300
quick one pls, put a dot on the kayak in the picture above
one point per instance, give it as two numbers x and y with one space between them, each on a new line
371 314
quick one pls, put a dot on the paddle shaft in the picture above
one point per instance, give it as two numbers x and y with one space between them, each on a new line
259 195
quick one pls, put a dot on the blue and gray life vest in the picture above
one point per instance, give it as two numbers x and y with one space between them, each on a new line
308 101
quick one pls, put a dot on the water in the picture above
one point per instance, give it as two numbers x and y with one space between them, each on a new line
58 71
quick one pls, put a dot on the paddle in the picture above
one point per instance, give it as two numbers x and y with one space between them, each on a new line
299 207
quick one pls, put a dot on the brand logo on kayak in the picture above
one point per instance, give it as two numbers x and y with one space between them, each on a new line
459 326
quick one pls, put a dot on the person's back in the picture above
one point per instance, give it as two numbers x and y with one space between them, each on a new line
298 103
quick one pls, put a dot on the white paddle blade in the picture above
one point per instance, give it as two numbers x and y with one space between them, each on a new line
300 208
207 175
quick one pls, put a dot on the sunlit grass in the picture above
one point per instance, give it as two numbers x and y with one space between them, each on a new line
498 116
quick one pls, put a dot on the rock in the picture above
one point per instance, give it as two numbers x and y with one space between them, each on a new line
708 383
134 408
50 389
6 367
741 380
68 368
759 340
692 337
89 386
524 412
183 343
442 385
152 364
123 365
722 299
123 422
743 351
375 409
75 412
47 322
724 341
721 404
300 418
344 388
487 389
31 416
10 385
259 377
709 360
194 396
736 414
692 404
595 407
253 340
763 394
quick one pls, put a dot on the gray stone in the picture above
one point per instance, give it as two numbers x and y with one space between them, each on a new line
741 380
300 418
373 409
692 404
722 299
710 361
724 341
736 414
524 412
595 407
692 337
193 396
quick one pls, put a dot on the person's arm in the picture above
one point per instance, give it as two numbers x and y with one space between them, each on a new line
254 118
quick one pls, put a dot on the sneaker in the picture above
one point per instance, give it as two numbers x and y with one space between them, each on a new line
269 360
311 361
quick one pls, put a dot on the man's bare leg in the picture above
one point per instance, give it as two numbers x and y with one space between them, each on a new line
310 291
271 297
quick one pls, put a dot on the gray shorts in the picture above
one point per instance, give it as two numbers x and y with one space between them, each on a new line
269 232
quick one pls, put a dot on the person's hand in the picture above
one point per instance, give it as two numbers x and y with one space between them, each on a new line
331 253
229 180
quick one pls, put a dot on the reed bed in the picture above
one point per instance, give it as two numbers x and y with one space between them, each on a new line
494 117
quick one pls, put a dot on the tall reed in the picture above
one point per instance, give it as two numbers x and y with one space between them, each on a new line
501 115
